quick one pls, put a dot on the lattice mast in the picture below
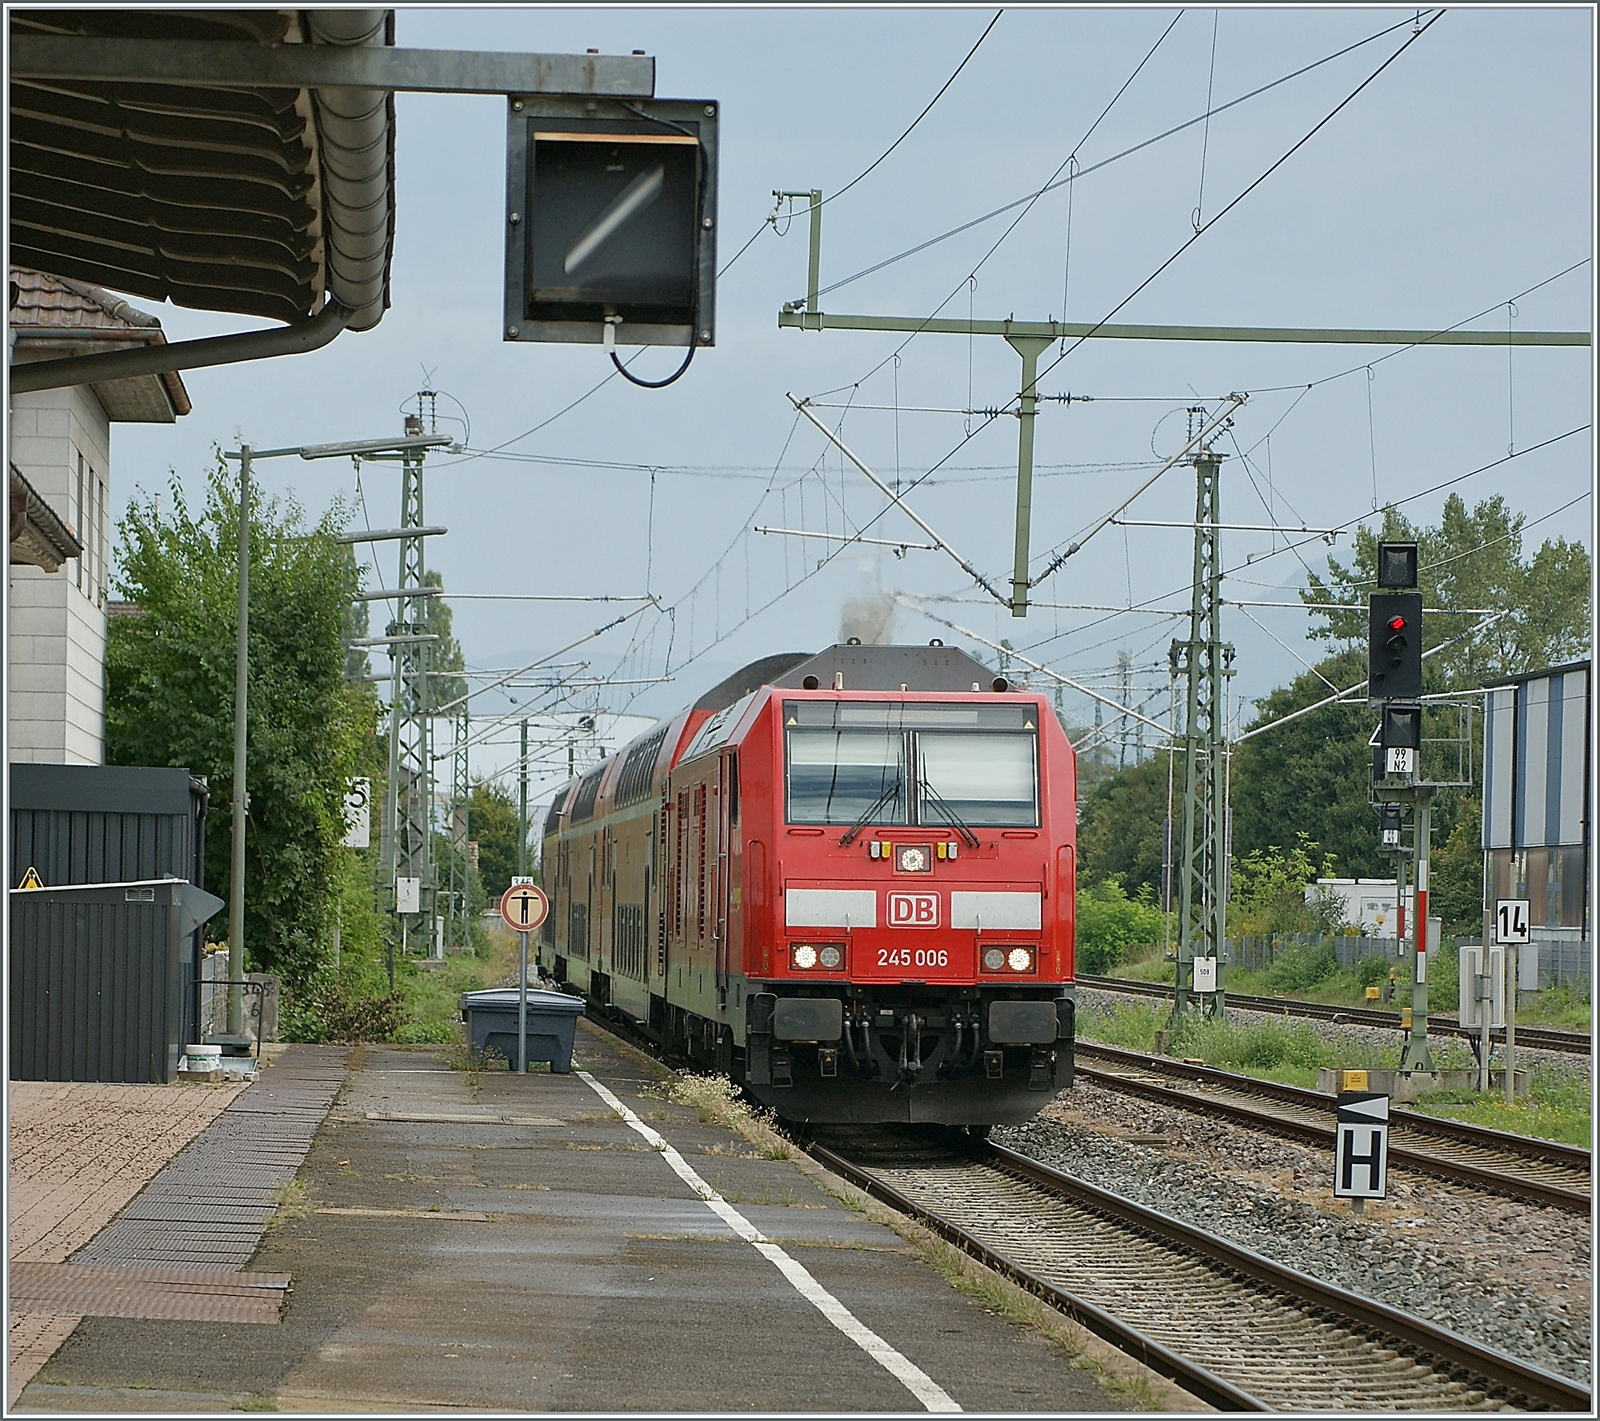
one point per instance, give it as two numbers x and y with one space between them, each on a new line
1206 662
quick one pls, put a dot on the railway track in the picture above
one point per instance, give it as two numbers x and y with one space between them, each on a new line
1537 1038
1493 1161
1236 1329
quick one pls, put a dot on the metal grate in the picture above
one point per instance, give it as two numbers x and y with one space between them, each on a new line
210 1205
186 1294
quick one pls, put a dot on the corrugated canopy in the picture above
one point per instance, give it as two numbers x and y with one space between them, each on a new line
263 202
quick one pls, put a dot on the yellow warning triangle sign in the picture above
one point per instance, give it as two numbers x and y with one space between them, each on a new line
31 879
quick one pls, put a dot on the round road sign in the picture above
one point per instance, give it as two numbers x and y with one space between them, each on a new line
524 906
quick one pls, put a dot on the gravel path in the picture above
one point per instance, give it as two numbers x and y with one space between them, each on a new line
1515 1277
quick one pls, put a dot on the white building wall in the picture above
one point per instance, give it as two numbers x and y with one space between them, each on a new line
61 440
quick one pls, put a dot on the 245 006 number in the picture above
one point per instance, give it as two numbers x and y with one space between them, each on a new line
909 957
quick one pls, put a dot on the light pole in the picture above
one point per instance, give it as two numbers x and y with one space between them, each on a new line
246 455
241 686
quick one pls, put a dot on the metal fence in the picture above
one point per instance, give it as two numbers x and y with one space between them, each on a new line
1566 962
1256 954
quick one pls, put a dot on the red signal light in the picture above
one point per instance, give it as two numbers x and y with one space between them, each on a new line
1397 624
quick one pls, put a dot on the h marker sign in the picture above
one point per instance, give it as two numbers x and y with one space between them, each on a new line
1361 1148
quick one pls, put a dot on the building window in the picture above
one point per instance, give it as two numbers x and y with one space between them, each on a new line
76 514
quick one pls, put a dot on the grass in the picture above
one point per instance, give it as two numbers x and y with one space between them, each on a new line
1558 1105
1554 1006
293 1201
715 1099
433 994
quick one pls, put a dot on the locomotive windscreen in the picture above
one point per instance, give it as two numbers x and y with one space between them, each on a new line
846 761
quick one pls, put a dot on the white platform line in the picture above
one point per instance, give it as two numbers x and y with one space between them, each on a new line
932 1396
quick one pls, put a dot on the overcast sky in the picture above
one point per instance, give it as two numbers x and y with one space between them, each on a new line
1458 178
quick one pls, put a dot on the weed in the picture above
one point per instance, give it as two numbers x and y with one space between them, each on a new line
291 1201
254 1403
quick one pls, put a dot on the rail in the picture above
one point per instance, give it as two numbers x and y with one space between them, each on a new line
1491 1161
1275 1338
1540 1038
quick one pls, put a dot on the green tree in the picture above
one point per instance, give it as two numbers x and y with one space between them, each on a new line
1110 924
492 813
1267 891
1455 889
170 696
444 654
1471 561
1120 823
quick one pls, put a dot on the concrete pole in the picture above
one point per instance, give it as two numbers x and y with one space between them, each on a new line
1029 348
241 682
1416 1056
1483 978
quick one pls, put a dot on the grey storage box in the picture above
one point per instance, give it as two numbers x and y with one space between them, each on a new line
99 977
491 1019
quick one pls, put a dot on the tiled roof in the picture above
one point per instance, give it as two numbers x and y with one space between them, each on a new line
56 302
52 311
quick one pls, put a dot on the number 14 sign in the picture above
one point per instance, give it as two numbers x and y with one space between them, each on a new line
1511 920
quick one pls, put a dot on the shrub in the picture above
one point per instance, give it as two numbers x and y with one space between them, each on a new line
1301 968
1373 971
326 1012
1110 924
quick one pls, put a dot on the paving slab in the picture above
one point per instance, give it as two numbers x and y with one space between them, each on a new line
452 1253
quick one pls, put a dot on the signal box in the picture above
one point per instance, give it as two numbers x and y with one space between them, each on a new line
611 221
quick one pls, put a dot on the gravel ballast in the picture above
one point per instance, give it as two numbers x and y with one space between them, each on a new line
1514 1276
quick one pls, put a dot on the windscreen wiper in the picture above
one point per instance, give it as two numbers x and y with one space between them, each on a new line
888 793
942 805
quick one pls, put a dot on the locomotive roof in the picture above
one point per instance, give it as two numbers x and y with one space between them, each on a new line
887 668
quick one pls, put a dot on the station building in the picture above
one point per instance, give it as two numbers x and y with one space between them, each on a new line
61 512
1536 814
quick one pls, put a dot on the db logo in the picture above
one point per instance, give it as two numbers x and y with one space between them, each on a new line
913 910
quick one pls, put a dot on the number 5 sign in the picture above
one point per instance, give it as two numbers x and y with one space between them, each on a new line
524 907
1511 920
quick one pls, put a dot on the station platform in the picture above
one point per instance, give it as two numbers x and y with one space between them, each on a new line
480 1241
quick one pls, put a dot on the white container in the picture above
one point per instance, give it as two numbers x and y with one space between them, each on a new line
201 1058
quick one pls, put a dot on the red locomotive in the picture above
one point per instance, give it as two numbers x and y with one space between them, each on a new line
846 880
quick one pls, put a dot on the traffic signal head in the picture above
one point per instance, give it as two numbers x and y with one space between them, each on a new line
1394 647
611 221
1397 564
1389 825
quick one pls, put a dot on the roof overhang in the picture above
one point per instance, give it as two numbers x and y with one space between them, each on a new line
269 200
38 537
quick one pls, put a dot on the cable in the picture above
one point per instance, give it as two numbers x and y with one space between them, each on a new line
1116 157
1027 206
1201 231
656 384
918 119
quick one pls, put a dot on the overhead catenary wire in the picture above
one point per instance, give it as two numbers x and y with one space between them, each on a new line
1116 157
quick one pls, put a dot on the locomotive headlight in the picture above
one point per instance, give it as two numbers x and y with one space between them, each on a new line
1020 959
994 958
805 956
830 957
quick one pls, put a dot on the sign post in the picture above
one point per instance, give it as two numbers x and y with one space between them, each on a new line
1361 1148
523 907
1512 929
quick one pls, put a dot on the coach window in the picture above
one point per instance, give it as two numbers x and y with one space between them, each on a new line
733 787
836 776
988 779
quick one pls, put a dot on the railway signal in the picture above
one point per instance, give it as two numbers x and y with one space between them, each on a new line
1394 647
611 221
